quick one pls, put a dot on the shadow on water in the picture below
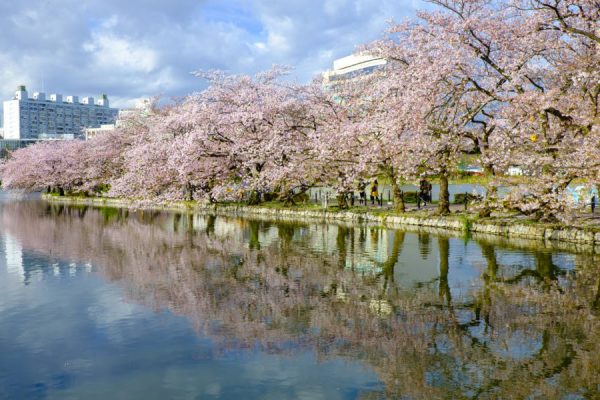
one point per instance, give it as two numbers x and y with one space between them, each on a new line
435 316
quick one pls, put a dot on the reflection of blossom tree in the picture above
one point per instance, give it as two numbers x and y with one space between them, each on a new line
249 283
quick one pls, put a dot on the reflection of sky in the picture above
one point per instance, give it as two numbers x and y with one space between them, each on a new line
515 261
419 263
14 258
68 335
464 269
65 333
366 249
512 257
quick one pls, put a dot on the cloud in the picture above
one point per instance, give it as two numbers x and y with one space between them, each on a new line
110 52
136 48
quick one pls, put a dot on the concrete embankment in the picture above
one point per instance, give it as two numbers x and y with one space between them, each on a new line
505 227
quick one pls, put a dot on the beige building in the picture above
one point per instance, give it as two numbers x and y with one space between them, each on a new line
143 108
93 132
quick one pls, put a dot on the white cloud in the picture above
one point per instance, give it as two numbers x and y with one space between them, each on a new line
139 48
260 47
114 53
278 42
311 29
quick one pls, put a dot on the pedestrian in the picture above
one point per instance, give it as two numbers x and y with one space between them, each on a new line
374 192
429 190
423 190
593 202
361 192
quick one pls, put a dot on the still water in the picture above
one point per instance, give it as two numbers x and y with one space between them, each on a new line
100 303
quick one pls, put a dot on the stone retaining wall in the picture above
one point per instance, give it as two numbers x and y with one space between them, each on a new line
510 229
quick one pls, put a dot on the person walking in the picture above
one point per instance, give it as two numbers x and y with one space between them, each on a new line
361 192
374 192
429 190
422 195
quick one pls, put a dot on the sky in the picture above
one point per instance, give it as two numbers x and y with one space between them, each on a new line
134 49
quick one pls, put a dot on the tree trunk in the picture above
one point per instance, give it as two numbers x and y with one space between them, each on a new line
189 192
396 191
398 197
486 210
548 212
390 263
596 302
489 278
444 287
342 200
488 170
444 200
254 198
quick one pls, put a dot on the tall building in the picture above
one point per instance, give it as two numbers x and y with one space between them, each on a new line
54 117
351 67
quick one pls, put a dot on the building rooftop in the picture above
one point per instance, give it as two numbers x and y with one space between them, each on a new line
353 65
22 94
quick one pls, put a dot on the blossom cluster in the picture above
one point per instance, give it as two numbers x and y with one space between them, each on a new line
505 84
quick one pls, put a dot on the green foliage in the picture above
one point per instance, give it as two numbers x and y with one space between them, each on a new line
110 213
467 223
410 197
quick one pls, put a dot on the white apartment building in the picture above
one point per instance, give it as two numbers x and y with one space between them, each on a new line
55 117
351 67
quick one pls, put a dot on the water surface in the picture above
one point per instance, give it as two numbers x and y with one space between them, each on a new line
108 303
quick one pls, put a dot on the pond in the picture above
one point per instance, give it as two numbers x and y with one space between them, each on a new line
100 303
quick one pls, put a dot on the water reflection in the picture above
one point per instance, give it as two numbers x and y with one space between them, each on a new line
14 258
435 316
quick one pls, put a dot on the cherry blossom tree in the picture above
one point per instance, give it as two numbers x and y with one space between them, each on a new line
377 134
259 127
506 83
147 173
64 166
34 168
480 72
336 152
427 103
555 117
